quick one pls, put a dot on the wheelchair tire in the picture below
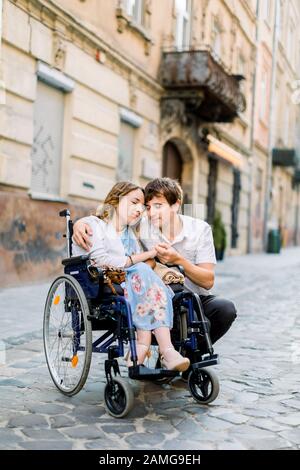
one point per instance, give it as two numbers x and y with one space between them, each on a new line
204 386
118 397
67 335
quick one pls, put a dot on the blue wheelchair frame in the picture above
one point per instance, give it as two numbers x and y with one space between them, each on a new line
107 308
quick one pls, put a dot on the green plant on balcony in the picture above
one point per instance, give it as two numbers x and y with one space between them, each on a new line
219 235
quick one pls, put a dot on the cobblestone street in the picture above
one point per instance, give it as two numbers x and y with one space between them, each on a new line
259 402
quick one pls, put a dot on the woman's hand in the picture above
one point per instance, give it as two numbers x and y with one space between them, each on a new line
81 235
152 253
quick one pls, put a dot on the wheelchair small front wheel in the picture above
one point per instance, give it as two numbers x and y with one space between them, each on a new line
204 385
67 335
118 397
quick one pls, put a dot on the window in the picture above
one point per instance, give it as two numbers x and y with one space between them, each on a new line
236 191
126 152
280 22
266 10
217 38
135 9
242 70
259 179
135 15
287 124
290 41
183 20
263 96
47 143
212 190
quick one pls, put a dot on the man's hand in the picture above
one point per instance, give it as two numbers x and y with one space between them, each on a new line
166 254
81 235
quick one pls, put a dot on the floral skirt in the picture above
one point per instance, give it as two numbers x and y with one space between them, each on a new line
150 299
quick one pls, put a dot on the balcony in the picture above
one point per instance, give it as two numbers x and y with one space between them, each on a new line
285 157
202 81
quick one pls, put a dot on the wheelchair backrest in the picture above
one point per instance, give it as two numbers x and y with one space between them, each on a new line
79 266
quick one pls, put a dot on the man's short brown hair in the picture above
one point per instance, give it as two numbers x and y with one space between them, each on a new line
166 187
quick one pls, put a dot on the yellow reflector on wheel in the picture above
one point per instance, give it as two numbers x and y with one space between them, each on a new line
56 300
74 361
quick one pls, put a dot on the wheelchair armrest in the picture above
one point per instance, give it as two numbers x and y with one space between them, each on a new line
75 260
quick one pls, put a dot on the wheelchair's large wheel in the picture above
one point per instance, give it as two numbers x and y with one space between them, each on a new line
118 397
203 385
67 335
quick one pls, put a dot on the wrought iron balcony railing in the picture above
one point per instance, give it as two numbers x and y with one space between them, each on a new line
204 83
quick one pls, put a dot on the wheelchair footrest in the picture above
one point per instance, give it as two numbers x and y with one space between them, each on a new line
141 372
208 360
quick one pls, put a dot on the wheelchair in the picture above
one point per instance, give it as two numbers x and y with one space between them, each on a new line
79 303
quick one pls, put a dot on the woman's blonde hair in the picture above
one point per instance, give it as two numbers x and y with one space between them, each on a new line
122 188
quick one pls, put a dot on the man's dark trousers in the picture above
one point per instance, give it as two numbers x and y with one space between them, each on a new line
221 313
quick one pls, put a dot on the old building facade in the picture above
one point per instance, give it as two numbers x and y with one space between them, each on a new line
276 124
96 91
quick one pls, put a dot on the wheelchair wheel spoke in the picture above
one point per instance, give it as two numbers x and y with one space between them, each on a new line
67 335
204 386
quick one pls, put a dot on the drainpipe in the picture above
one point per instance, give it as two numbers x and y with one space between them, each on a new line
271 126
297 215
251 158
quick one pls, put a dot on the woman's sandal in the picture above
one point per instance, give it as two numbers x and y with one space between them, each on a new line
140 349
178 362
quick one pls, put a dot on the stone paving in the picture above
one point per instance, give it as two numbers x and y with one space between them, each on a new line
259 402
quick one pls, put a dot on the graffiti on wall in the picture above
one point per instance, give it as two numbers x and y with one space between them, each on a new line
42 159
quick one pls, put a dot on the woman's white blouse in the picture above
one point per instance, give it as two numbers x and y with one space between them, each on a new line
107 248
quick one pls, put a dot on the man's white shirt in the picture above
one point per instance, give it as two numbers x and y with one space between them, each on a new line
194 242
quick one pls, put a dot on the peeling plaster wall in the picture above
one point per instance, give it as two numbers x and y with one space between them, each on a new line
31 242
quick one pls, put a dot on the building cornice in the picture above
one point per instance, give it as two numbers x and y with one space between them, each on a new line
260 147
83 36
251 13
286 60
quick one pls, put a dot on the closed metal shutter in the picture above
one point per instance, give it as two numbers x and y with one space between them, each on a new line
47 144
126 151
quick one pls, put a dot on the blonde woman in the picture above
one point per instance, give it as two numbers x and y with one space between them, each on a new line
114 244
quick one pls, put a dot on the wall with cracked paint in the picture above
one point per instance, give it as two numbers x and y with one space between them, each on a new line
31 242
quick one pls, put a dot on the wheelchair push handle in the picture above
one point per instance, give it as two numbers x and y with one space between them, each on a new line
65 213
69 230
